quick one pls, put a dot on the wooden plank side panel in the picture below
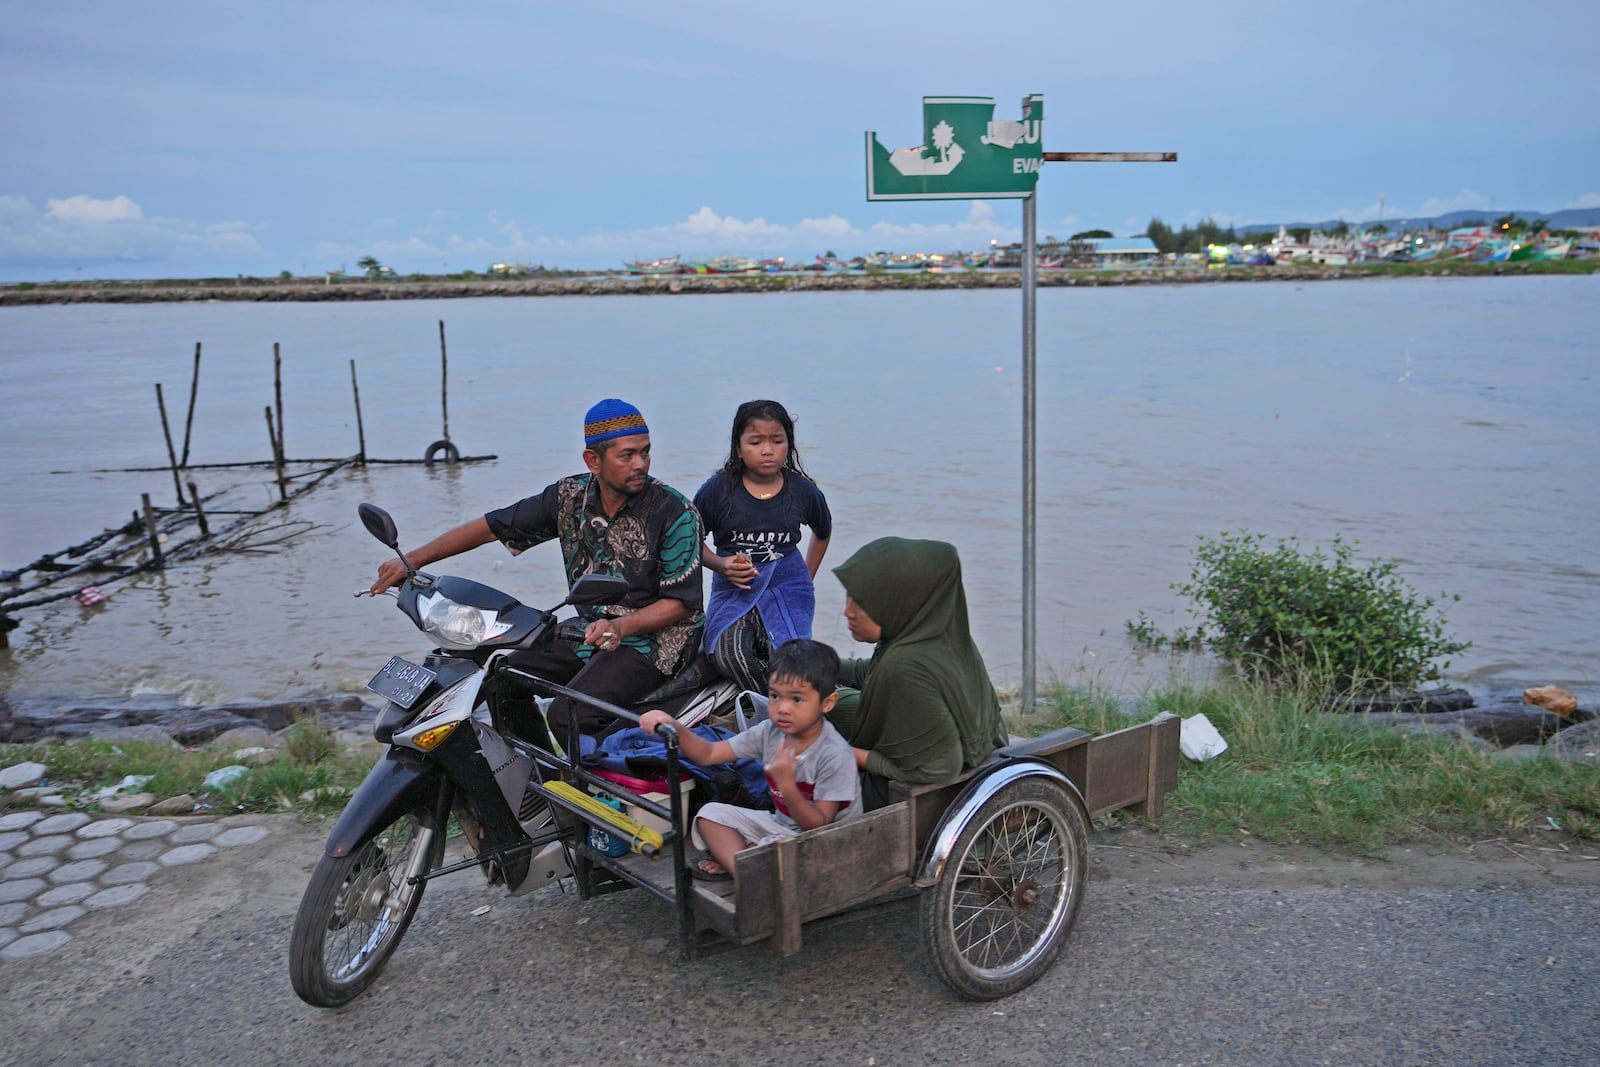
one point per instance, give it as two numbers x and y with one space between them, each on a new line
1118 771
1163 765
830 870
841 866
928 804
787 896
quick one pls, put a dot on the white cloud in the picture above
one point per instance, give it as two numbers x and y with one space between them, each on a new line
88 209
703 233
85 232
1586 200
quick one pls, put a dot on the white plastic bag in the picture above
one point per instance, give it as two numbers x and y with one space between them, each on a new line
1199 740
749 708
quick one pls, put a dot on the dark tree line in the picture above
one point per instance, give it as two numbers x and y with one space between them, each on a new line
1189 239
1209 232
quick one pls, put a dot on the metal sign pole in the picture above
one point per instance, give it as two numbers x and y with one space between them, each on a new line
1030 279
956 162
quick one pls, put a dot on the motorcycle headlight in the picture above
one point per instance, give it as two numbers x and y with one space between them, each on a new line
457 625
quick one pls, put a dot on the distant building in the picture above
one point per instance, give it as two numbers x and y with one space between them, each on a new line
1084 252
1121 251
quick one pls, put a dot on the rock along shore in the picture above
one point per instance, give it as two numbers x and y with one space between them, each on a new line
304 290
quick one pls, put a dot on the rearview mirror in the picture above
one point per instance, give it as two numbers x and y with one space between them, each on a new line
379 524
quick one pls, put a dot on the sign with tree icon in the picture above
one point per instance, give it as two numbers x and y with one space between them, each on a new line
973 155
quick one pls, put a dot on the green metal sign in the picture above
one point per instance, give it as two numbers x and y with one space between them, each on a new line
966 153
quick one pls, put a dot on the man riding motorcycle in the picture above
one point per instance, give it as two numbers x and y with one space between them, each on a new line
614 519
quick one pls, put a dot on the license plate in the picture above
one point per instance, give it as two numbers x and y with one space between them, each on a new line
401 681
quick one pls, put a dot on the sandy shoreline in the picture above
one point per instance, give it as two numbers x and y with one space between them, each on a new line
303 290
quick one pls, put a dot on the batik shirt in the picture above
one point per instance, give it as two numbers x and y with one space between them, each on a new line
653 541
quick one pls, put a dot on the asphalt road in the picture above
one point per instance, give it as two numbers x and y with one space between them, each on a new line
1227 957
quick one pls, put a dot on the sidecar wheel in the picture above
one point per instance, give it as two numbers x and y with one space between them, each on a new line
356 909
1010 892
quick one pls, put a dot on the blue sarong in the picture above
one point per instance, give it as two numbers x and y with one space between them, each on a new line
782 593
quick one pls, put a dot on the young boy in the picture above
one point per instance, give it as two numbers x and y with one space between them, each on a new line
809 767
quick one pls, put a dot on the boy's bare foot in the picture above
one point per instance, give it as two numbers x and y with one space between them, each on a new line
708 869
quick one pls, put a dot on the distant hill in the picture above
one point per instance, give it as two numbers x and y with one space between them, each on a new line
1568 219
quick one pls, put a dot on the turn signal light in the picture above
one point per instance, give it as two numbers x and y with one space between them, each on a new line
428 740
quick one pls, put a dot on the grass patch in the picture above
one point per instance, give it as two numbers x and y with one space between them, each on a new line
311 761
1292 775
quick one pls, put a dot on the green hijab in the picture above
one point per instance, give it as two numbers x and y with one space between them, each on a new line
928 702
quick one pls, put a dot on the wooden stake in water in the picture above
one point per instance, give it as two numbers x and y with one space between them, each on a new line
150 528
172 457
274 439
361 433
199 512
194 388
277 388
444 382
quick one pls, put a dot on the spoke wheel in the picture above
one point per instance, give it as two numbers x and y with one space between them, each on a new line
1010 890
356 909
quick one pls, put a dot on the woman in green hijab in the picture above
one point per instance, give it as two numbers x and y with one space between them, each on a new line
927 710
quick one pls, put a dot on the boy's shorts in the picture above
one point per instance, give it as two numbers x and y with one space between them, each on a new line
756 827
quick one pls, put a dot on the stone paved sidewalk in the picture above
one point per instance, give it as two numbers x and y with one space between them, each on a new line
57 868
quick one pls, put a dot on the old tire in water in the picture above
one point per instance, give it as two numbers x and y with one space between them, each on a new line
1010 890
356 909
441 451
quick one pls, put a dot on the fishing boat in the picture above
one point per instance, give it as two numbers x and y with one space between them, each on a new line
732 265
1491 250
670 265
1555 248
1542 247
1463 240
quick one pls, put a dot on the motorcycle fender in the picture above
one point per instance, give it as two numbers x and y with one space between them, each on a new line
977 791
398 782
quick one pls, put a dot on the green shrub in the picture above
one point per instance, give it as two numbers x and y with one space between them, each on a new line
1314 619
308 744
1293 775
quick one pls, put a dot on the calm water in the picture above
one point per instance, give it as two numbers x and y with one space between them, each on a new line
1447 423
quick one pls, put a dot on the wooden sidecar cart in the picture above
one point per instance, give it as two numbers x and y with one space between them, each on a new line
1000 855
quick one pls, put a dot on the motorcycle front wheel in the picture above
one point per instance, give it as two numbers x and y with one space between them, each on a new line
356 909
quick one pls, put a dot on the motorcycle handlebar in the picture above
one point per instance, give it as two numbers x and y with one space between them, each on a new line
668 730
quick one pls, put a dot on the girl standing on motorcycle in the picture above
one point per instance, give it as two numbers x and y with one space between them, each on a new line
753 508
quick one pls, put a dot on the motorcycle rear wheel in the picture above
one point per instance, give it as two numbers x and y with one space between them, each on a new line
356 908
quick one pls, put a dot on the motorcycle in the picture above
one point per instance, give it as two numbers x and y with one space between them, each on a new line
451 755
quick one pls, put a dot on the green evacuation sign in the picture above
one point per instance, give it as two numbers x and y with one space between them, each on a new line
966 153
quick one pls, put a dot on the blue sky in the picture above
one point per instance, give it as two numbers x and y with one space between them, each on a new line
189 139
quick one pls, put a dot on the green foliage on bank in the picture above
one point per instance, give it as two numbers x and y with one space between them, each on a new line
1315 620
1293 775
311 772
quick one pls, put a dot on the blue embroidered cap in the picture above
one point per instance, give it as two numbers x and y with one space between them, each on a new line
612 418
